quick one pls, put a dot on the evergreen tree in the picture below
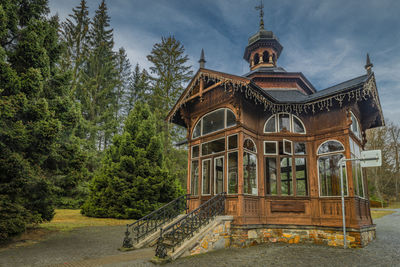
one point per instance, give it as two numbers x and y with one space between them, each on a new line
28 126
99 79
138 89
75 37
124 76
133 180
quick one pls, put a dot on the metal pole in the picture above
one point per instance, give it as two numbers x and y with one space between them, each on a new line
343 206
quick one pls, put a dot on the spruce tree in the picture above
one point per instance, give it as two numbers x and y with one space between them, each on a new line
133 180
137 90
99 79
28 125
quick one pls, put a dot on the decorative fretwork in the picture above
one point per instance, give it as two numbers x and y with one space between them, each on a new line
153 221
175 234
239 84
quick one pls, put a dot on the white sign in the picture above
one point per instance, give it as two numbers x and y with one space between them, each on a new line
371 158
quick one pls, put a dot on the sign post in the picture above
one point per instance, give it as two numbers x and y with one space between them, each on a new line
369 158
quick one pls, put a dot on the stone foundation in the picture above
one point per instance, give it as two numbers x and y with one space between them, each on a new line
244 236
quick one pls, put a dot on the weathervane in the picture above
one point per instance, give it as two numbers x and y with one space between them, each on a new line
260 7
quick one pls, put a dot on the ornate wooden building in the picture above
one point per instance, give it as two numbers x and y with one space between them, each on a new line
272 142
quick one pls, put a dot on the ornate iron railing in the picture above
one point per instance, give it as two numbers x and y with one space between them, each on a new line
153 221
175 234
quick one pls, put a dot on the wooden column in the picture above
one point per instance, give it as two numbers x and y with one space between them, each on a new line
261 179
240 205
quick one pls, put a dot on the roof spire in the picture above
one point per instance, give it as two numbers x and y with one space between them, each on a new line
202 60
368 65
260 7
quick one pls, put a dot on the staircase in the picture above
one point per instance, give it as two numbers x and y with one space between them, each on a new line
145 230
179 232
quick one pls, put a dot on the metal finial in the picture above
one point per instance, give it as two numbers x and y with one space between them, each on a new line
261 7
368 65
202 60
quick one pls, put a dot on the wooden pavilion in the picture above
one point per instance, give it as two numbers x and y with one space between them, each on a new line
272 142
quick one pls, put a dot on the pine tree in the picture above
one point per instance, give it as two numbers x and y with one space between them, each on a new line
124 77
138 89
99 79
75 37
133 180
28 126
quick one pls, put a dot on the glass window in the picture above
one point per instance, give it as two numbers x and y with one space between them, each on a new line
233 172
287 147
270 176
299 148
250 173
270 125
213 147
195 151
197 130
301 176
214 121
284 121
286 176
330 146
270 147
206 173
249 145
219 175
298 125
230 118
194 178
232 141
329 176
358 181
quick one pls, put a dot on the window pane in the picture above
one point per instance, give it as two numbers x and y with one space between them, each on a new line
360 180
270 147
270 175
219 175
299 148
329 176
232 141
250 173
284 122
301 177
286 177
197 130
206 177
195 151
194 178
213 147
214 121
354 126
270 126
233 172
330 146
287 147
230 118
357 179
249 144
298 126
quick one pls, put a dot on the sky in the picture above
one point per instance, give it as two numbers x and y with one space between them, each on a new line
326 40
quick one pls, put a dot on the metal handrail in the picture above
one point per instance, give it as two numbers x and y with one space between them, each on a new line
185 227
151 222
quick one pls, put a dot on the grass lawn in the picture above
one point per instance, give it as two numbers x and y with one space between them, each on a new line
64 220
68 219
380 213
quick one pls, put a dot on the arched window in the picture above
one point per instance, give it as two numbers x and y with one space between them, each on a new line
249 145
330 147
214 121
274 59
256 59
265 57
355 126
250 167
284 121
329 154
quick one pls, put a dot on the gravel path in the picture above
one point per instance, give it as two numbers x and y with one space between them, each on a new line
97 246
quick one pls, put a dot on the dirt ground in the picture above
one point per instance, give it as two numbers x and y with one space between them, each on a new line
97 246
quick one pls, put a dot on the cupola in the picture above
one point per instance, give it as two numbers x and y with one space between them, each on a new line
263 49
